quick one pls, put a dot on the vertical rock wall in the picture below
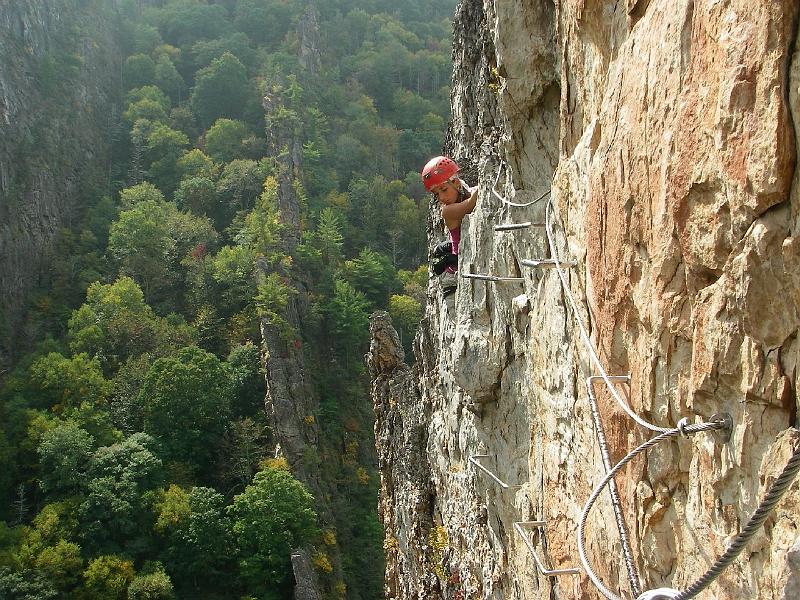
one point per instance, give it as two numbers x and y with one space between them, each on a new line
664 131
56 95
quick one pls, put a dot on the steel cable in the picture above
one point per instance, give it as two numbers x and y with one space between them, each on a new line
776 492
684 430
630 564
584 334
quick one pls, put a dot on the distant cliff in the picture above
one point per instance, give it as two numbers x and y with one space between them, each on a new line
59 70
665 133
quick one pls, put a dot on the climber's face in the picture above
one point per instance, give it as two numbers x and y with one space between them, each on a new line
446 193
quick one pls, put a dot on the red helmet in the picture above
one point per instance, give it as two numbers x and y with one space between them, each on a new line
438 170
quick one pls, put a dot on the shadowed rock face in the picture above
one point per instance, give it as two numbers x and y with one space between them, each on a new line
55 140
665 132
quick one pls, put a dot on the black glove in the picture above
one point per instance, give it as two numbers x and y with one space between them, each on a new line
448 260
443 249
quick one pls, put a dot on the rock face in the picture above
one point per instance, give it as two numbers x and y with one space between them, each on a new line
664 132
56 111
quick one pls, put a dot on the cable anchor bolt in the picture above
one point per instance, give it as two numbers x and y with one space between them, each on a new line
723 434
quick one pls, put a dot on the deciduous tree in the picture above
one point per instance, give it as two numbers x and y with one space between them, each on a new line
272 517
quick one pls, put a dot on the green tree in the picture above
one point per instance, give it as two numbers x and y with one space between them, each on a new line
233 268
62 564
372 274
244 448
328 237
246 372
151 586
197 195
348 319
205 52
142 192
126 412
46 547
167 78
148 92
26 584
264 21
116 513
115 323
107 578
183 119
186 400
64 456
271 301
75 388
164 146
220 90
183 22
138 70
146 109
70 382
145 38
273 516
142 244
224 140
262 227
406 313
195 163
242 182
150 240
198 544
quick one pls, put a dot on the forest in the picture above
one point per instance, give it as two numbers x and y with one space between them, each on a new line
136 457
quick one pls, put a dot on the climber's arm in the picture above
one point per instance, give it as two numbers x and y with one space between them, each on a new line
454 213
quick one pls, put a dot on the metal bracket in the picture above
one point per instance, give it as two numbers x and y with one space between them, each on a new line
494 278
546 263
723 434
616 378
518 527
499 481
518 204
512 226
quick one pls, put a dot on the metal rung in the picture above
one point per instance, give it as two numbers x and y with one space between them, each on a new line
490 277
518 527
512 226
622 378
546 263
501 483
519 204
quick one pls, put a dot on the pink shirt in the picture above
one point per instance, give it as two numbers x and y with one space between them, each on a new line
455 238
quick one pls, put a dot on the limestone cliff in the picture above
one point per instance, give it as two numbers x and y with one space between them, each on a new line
664 132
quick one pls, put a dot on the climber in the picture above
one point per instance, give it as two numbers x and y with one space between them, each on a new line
456 199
